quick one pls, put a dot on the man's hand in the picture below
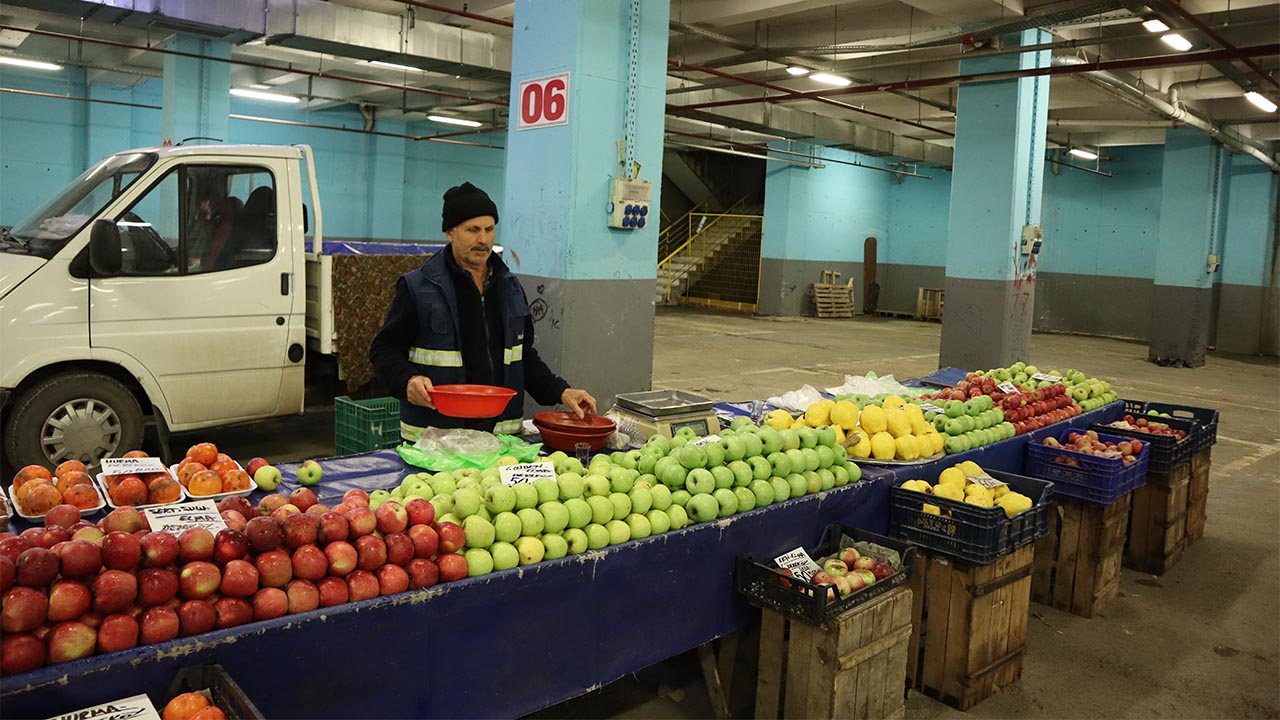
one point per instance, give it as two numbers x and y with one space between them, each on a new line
416 391
579 401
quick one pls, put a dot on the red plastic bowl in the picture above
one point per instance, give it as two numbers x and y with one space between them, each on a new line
471 401
568 422
567 440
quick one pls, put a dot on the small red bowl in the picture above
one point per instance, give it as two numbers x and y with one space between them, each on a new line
471 401
568 422
567 440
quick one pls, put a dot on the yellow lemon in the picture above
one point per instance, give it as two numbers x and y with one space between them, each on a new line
970 468
845 415
1014 503
882 446
873 420
897 423
778 419
952 475
819 413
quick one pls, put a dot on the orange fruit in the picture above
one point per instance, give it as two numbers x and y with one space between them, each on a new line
205 482
204 453
68 466
236 480
210 713
82 496
186 471
41 497
130 491
163 489
31 472
72 477
184 706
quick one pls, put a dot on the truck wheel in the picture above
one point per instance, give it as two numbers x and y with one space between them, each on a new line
83 416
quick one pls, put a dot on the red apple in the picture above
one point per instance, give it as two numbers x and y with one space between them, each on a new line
229 545
48 537
372 552
316 510
117 632
275 569
159 549
420 511
452 538
68 600
231 612
391 517
92 534
425 540
309 563
37 567
271 503
195 617
399 548
113 591
452 567
392 579
355 497
195 544
332 527
71 641
342 557
156 586
8 573
23 609
12 547
285 511
239 579
303 498
239 504
303 596
252 466
333 591
198 580
264 534
361 521
158 624
299 530
19 653
269 603
362 585
422 573
121 551
234 520
123 519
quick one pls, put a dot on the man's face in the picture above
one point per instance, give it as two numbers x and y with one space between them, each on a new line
472 241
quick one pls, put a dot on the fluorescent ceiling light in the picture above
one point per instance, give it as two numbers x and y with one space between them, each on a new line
1155 25
1176 41
1261 101
260 86
25 63
797 71
395 66
1084 154
829 79
453 121
265 96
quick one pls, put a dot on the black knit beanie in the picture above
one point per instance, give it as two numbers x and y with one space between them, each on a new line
463 202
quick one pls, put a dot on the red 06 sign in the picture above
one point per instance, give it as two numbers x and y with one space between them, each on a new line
544 102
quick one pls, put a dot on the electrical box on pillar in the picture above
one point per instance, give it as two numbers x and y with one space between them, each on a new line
1032 237
629 204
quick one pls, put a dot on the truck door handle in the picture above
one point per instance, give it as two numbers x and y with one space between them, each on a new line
284 283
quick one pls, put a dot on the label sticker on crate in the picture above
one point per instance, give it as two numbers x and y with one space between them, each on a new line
798 562
1008 388
132 466
931 408
706 440
985 481
138 707
177 518
527 472
1042 377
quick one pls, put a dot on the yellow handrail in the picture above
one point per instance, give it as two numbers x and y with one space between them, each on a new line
693 235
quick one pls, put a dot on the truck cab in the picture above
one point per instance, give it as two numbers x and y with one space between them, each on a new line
163 281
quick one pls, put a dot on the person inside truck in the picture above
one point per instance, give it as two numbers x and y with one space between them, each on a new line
463 318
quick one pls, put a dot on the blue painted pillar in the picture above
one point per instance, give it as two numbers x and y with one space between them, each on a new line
1249 295
386 168
196 100
108 128
1193 204
995 191
591 288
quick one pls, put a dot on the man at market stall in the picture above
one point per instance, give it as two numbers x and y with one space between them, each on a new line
463 318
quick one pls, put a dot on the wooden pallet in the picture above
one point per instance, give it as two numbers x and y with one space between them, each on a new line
1198 496
969 626
1158 521
1077 566
852 666
832 299
929 304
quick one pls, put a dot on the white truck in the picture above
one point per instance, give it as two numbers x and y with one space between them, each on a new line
170 282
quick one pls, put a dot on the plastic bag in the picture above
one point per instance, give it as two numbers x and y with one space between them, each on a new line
441 449
797 400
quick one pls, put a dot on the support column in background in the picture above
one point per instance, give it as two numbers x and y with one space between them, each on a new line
386 169
995 191
197 98
1193 207
590 287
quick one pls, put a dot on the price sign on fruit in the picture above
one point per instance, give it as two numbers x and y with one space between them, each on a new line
544 102
1007 387
132 466
798 562
985 481
527 473
706 440
177 518
927 407
1041 377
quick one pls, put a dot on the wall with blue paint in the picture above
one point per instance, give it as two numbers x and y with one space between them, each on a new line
1248 250
370 186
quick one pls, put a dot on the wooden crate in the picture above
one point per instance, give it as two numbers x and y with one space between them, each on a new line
969 626
832 299
1158 521
929 304
852 666
1077 566
1198 496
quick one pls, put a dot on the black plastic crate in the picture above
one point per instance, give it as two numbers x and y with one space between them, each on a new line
766 586
1094 480
1206 420
971 534
1167 452
213 681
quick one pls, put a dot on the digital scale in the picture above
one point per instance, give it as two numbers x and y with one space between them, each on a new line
664 412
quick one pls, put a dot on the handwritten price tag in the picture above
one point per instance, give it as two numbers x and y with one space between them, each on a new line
138 707
176 518
798 562
927 407
131 466
1008 388
985 481
1040 377
707 440
527 473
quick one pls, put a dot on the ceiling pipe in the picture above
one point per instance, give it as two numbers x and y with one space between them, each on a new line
459 13
739 153
681 65
1221 41
246 63
1127 64
1183 116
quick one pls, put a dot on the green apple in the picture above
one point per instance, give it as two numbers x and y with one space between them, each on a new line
444 483
723 475
734 448
377 497
659 442
798 461
715 454
647 461
479 562
727 501
443 505
811 459
770 440
557 458
505 556
679 518
579 512
570 485
781 489
826 436
576 539
615 457
790 439
754 446
621 505
639 525
760 467
680 498
629 459
548 490
841 475
466 502
641 499
700 481
597 536
621 480
798 484
414 486
813 483
596 485
555 516
825 456
573 465
827 478
692 456
808 437
500 499
468 482
659 521
742 475
661 497
507 527
526 496
480 532
688 433
398 495
619 531
780 464
648 481
469 472
678 442
449 518
531 550
704 508
488 482
601 509
746 499
531 522
763 492
556 546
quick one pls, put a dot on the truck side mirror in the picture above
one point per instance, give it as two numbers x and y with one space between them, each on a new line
104 248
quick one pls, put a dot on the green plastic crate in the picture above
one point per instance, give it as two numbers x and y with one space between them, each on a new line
365 425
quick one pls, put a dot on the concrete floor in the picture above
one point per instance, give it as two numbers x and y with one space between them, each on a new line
1201 641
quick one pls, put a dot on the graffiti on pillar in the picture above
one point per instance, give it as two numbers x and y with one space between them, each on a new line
1024 285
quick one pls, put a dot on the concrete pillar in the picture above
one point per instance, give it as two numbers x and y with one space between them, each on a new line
385 189
1194 184
590 287
108 128
995 191
196 92
1249 300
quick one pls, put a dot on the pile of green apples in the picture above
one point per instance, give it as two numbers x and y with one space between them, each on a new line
1089 393
665 485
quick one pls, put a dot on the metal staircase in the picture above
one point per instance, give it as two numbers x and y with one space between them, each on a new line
709 237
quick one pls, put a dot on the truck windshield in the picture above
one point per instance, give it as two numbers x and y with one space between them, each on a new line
48 229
